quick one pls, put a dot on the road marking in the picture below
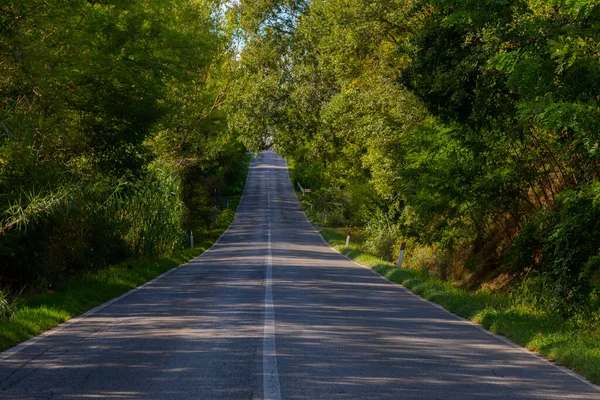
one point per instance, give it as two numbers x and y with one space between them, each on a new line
271 389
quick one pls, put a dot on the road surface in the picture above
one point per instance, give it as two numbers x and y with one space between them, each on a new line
272 312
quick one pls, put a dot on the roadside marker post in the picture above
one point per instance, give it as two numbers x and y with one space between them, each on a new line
348 239
191 239
401 255
303 190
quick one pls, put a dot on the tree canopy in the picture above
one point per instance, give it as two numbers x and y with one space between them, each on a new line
112 138
469 127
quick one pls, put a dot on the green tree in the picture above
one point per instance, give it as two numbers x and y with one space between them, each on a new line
111 112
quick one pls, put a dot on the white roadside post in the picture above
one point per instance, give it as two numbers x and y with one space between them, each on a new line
191 239
303 190
348 239
401 255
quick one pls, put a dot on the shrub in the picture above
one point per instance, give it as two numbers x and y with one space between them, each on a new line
382 237
7 306
562 246
153 212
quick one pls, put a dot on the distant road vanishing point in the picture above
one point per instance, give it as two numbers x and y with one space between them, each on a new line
272 312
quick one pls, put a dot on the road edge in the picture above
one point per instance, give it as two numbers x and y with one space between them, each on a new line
464 320
6 354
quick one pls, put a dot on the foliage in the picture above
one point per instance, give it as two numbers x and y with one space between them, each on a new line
111 132
7 306
563 246
152 214
469 127
466 128
36 313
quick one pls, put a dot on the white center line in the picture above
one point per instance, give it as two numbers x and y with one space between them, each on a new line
271 388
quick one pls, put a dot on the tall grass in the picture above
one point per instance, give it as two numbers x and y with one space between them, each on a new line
77 293
48 234
7 306
36 313
153 213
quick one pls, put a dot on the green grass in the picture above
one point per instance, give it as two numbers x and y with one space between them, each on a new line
574 344
38 313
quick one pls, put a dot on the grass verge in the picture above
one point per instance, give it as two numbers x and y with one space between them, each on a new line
572 343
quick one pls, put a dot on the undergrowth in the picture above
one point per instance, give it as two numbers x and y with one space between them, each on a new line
37 313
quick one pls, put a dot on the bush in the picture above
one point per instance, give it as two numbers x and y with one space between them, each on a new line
562 246
382 237
153 211
49 234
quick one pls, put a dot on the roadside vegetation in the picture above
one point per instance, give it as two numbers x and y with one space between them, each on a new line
515 315
33 314
114 145
467 129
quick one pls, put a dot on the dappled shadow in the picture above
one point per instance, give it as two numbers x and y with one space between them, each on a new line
194 333
341 331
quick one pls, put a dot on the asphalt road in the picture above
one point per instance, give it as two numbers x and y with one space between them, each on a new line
271 311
